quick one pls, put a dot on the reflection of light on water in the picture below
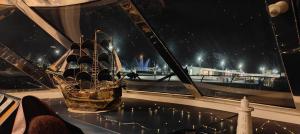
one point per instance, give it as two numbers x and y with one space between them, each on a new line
182 113
188 116
231 128
150 112
222 124
155 111
199 116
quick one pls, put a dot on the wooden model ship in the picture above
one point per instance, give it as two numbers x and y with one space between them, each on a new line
87 75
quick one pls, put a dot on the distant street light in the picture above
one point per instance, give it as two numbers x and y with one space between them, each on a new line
57 51
141 56
240 66
199 59
262 69
40 59
222 63
275 71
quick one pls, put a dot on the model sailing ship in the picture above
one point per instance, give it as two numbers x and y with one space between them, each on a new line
87 75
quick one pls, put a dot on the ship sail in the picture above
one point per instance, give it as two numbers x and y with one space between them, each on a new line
71 73
83 76
73 58
118 63
88 44
104 75
85 60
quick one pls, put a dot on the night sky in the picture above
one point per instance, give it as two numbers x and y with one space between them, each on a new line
237 31
233 30
26 39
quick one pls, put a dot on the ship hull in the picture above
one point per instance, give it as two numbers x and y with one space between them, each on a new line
93 105
77 101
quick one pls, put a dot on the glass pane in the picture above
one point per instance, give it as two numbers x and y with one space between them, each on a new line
286 29
20 35
28 40
231 53
228 48
12 79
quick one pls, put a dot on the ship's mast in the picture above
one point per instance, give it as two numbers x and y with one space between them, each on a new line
80 54
95 62
80 45
113 59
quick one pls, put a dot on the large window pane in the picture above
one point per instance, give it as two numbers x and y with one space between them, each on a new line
12 79
228 47
28 40
230 52
134 50
21 36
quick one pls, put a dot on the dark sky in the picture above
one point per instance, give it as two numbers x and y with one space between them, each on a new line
26 39
234 30
237 31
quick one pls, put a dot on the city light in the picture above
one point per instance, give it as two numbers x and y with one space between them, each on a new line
141 56
165 66
222 63
240 66
57 51
40 59
200 59
275 71
262 69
